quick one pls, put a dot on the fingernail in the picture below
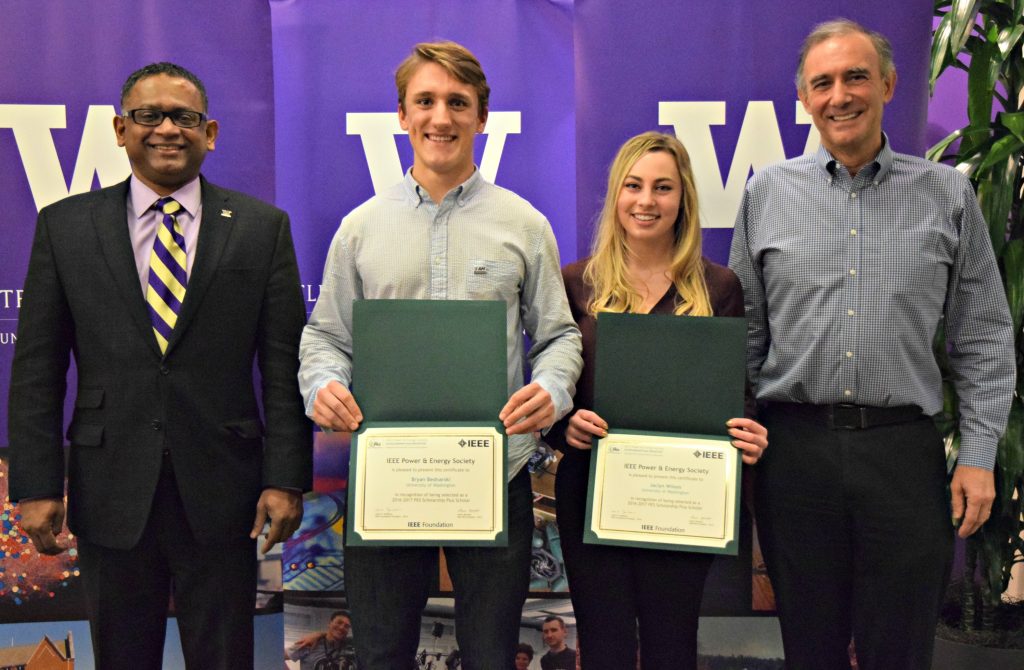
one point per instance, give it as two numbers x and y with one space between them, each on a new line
956 521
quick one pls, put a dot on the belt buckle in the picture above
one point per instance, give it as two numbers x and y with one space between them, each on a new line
847 416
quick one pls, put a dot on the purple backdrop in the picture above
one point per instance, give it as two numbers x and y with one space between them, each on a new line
720 55
59 89
305 95
79 57
332 63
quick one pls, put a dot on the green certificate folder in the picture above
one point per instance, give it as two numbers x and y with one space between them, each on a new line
674 374
429 360
428 464
666 476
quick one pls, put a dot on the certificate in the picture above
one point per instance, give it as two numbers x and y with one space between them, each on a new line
428 466
667 475
430 485
664 491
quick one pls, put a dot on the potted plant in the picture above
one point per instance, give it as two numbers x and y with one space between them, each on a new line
985 38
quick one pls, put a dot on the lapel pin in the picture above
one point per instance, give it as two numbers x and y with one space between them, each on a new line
226 213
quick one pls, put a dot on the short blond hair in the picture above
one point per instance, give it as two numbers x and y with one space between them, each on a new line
456 59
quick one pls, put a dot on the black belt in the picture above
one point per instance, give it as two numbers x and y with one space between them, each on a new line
845 416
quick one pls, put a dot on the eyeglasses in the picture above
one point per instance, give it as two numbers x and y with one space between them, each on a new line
183 118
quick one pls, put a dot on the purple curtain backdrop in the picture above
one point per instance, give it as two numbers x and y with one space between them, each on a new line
78 56
627 62
298 84
335 58
64 64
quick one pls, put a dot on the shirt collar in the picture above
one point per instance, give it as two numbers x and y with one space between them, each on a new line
880 165
462 193
142 197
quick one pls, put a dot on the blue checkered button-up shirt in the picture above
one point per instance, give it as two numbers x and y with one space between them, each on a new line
846 280
481 242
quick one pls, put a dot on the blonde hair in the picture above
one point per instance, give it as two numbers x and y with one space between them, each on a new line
456 59
607 270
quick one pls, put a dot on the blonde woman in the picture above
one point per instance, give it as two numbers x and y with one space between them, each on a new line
646 260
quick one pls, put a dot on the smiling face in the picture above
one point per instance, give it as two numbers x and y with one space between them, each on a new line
845 93
442 116
164 157
649 200
522 661
339 628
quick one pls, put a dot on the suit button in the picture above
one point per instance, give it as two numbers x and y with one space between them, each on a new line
164 370
156 424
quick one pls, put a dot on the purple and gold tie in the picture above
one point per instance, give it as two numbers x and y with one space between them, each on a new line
167 275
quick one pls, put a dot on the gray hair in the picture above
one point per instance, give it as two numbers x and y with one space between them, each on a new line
836 28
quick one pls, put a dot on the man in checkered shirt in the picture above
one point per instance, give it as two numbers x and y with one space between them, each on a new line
850 259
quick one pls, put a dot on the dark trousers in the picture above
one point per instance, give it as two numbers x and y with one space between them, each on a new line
622 594
856 532
127 592
387 589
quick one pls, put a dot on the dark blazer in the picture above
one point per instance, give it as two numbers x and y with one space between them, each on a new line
198 401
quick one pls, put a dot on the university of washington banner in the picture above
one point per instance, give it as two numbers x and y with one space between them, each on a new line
305 96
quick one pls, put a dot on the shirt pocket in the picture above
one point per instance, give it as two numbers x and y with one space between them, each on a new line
492 280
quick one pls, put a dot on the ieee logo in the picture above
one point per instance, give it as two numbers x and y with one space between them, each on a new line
717 455
475 443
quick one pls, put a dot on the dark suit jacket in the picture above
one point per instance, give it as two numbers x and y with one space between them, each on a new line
82 296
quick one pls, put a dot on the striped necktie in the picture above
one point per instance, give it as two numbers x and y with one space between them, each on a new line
167 276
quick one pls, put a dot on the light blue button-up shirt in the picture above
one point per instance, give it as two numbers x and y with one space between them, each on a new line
847 278
481 242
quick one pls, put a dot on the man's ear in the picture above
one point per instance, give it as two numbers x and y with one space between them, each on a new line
212 129
889 86
119 129
403 120
802 94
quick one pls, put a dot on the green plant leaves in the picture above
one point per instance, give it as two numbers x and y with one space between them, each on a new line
994 180
1013 266
991 152
1014 122
1009 37
981 84
1011 455
964 15
940 50
951 35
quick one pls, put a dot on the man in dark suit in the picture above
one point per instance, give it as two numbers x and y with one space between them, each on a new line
172 472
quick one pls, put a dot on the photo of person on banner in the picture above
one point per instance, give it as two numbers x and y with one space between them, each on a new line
331 649
559 656
647 260
524 654
444 233
850 258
